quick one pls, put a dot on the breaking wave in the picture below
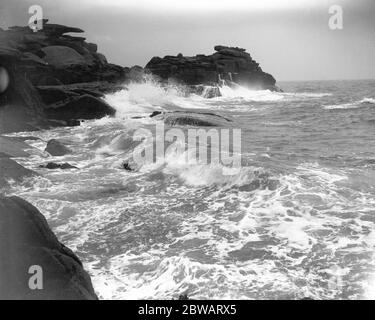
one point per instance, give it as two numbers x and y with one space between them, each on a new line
353 105
295 220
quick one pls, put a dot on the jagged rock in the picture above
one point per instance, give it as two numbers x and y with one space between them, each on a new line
26 240
92 47
53 165
58 29
11 170
135 74
46 58
196 119
56 148
84 107
228 64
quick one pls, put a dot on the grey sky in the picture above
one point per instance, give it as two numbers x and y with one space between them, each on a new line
289 38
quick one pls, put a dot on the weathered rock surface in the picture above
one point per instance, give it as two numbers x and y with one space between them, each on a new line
62 56
83 107
13 147
25 241
190 118
11 170
48 57
56 148
227 64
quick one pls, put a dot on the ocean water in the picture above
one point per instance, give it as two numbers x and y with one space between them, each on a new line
296 220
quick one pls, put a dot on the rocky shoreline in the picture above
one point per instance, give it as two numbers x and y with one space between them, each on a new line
50 79
56 79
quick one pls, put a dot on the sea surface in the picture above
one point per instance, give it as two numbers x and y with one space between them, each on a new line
296 220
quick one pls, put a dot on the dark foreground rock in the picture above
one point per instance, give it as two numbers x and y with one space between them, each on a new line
56 148
195 119
227 64
11 170
25 241
13 147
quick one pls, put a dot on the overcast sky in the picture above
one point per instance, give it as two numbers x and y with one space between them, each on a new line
289 38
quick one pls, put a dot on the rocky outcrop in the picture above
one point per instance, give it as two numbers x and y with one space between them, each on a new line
28 246
49 78
56 148
48 57
51 53
194 119
227 64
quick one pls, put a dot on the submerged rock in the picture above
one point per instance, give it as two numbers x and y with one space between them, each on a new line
27 244
53 165
227 64
155 113
196 119
56 148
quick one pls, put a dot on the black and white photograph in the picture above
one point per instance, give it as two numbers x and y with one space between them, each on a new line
201 152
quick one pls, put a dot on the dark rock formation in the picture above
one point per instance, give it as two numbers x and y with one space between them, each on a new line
135 74
127 166
51 53
11 170
190 118
53 165
83 107
56 148
48 57
25 241
227 64
20 105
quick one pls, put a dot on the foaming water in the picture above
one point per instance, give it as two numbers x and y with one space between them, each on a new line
295 220
358 104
